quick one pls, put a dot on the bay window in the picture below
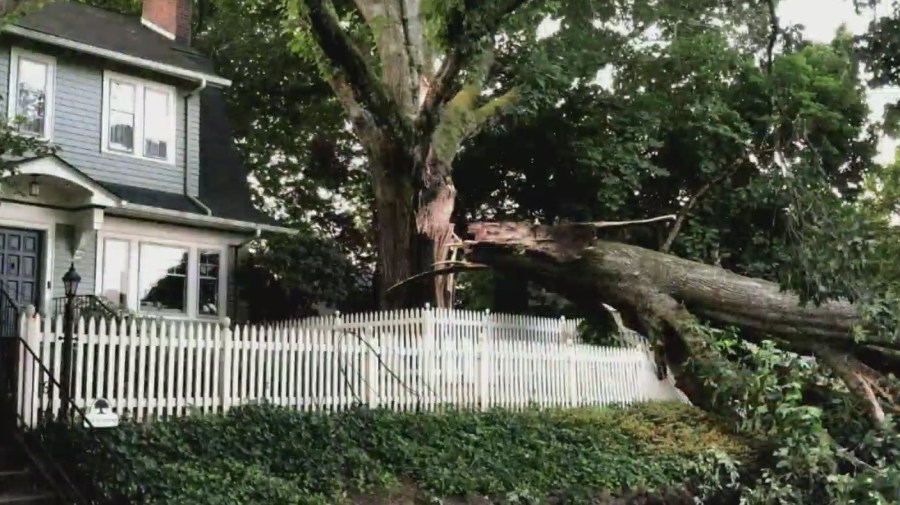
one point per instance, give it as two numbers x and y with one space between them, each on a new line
31 92
157 278
138 118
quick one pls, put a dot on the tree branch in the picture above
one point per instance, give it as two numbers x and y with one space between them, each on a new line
346 59
773 35
848 369
463 47
683 213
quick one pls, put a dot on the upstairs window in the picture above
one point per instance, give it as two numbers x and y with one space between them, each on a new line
31 83
139 118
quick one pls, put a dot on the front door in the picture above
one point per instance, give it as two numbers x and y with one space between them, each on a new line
20 259
20 254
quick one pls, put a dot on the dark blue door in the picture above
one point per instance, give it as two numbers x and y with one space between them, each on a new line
20 259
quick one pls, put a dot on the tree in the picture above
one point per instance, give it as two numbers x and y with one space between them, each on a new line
412 115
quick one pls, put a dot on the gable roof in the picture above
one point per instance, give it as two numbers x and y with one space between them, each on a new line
113 36
223 176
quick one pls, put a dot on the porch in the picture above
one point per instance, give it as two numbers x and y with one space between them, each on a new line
132 257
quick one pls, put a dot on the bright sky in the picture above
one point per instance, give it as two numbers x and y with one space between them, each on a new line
821 18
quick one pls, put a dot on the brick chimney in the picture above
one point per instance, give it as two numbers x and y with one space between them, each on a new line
171 18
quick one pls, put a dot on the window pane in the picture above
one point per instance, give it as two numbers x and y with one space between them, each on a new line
121 116
121 97
121 131
163 278
32 96
156 124
115 271
209 284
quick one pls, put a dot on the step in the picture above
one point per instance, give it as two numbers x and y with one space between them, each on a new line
11 459
17 480
37 498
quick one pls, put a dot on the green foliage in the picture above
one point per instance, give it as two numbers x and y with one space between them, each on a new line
272 455
818 446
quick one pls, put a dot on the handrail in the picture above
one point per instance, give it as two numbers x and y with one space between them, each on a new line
30 416
86 302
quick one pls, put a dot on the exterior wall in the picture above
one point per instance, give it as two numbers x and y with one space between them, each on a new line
85 261
77 121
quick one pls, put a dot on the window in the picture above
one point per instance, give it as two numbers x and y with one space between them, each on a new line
162 274
156 124
115 271
121 116
172 277
208 290
139 118
31 92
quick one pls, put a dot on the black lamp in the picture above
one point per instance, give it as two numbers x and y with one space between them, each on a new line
71 280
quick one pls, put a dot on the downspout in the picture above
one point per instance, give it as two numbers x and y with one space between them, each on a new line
187 143
235 253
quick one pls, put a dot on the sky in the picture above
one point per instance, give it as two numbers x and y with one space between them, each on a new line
821 18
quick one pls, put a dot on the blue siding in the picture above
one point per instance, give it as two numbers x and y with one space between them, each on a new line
85 263
78 110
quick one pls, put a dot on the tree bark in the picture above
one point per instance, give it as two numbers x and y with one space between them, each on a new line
664 297
411 119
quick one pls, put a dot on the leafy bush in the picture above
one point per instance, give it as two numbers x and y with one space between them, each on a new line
273 455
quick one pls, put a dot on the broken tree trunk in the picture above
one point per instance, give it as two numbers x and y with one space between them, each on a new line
665 296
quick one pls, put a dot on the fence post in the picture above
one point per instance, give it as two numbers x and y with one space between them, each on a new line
484 361
373 352
227 342
429 349
571 373
30 332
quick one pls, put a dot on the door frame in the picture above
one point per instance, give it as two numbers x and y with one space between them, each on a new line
43 220
39 275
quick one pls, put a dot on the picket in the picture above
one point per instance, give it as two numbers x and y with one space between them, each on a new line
409 360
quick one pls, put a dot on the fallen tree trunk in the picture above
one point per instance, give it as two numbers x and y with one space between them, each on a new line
666 297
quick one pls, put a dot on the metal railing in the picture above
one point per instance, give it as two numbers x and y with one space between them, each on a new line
29 407
87 306
34 408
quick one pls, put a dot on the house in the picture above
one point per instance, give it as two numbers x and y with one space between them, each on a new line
146 195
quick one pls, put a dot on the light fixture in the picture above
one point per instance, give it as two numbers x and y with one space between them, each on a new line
70 281
34 189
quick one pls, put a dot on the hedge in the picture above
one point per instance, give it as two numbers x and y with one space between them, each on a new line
265 454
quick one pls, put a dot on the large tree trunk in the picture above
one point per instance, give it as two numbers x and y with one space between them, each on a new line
413 207
665 297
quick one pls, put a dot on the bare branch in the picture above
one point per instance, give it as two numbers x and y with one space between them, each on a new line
683 213
619 224
455 267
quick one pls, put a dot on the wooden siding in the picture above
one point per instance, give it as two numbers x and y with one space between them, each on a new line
77 130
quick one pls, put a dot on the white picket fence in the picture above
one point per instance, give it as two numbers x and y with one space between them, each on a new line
426 359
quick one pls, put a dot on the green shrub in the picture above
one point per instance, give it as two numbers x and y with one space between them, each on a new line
273 455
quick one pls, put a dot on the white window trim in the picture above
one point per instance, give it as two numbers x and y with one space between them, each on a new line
220 302
193 275
139 86
14 54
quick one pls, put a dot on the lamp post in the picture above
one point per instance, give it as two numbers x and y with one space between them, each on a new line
70 280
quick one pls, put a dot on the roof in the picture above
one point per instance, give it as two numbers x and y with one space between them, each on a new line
224 187
153 198
98 31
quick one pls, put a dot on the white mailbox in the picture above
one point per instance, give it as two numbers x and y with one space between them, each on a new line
100 415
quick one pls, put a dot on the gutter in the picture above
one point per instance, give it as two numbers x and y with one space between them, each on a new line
176 216
187 144
162 68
